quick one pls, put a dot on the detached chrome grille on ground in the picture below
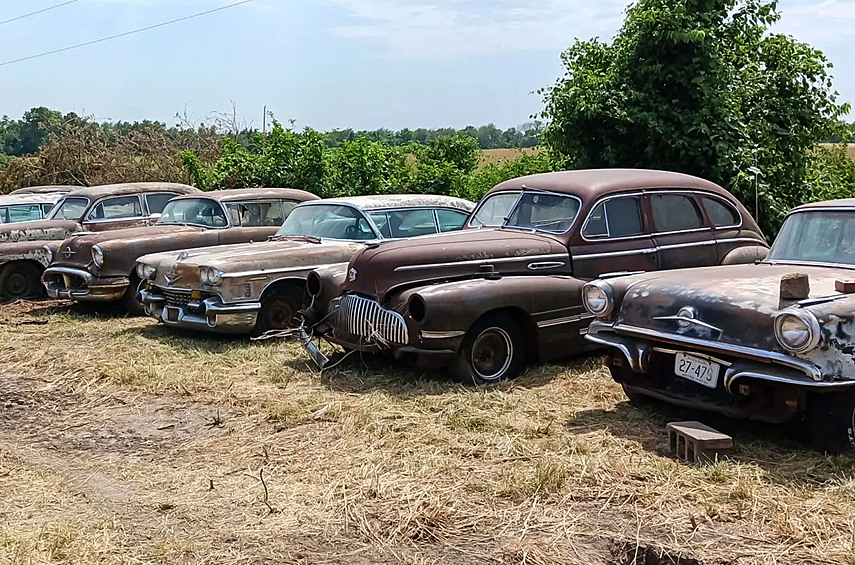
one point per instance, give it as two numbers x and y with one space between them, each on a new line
366 318
176 298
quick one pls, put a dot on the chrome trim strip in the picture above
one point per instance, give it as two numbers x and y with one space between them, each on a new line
566 320
810 264
689 244
477 262
545 265
260 272
689 321
729 379
765 356
645 251
441 335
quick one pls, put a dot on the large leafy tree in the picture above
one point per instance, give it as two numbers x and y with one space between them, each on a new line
702 87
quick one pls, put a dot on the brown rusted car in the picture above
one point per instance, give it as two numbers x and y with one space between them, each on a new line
773 341
257 287
100 267
26 248
485 301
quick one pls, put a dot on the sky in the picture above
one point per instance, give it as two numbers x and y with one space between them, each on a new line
329 64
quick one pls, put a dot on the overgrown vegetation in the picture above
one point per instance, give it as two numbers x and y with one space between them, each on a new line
702 87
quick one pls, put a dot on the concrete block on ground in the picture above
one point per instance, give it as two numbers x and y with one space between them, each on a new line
697 443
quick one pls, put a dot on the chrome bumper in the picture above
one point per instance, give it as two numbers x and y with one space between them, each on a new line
209 315
638 344
58 282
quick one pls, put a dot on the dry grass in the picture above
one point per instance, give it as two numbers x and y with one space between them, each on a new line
123 442
497 156
850 148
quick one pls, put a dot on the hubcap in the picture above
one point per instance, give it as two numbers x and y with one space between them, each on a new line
492 353
17 285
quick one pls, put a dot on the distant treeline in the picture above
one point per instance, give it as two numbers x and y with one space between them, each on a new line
25 136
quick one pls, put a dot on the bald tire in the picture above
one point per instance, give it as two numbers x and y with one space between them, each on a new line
493 350
278 311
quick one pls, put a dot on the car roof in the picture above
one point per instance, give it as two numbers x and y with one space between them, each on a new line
383 201
35 198
589 184
46 189
132 188
241 194
839 203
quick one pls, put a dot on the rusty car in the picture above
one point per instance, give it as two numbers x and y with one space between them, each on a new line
485 301
46 189
99 267
26 248
27 206
259 286
773 341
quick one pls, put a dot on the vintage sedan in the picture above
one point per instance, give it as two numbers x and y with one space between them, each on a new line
260 286
26 207
100 267
26 248
773 341
485 301
46 189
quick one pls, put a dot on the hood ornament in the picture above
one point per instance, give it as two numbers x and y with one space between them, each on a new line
68 252
688 316
183 255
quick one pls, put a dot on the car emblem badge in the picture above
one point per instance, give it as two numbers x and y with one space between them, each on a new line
171 275
351 275
67 252
688 314
183 255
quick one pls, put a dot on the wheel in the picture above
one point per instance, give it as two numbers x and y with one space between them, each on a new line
131 299
493 350
20 280
831 421
278 311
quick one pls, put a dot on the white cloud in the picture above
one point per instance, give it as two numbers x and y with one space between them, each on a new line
818 22
454 28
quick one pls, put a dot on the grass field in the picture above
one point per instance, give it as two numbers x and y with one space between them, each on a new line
122 442
497 156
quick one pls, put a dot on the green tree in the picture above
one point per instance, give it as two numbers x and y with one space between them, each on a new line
702 87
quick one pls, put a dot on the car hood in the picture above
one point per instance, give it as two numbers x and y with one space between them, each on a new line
739 300
38 230
122 247
387 266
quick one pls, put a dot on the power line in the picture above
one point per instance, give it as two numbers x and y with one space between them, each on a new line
38 12
103 39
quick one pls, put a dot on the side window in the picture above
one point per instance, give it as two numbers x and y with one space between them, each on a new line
721 214
24 213
382 222
675 212
46 208
157 201
256 214
618 217
410 223
117 208
451 220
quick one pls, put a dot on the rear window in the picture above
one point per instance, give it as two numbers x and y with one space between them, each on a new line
675 212
721 214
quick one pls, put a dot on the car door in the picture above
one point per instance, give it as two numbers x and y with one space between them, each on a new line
681 235
727 226
614 238
115 212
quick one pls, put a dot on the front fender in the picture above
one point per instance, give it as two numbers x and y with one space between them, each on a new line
28 251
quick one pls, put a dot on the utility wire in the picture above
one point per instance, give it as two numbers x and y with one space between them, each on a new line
15 19
103 39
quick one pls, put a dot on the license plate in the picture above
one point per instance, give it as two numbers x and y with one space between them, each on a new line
172 314
696 369
315 354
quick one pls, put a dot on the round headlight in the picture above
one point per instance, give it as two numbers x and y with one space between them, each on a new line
797 331
146 272
597 298
48 253
97 256
211 276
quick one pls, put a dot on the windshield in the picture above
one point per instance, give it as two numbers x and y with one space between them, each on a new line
822 237
551 213
70 209
195 211
327 220
494 209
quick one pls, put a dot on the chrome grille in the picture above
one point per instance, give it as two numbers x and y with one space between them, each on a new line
177 298
366 318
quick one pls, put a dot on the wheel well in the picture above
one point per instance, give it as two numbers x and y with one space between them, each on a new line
35 264
296 287
529 328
